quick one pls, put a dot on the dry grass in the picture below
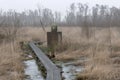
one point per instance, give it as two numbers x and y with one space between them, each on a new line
100 72
11 55
11 67
104 65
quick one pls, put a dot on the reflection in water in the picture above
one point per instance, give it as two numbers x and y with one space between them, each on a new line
70 71
32 70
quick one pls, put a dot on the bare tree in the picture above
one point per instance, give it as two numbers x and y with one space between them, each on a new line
70 17
85 27
79 15
57 18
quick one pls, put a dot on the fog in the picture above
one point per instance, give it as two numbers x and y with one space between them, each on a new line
54 5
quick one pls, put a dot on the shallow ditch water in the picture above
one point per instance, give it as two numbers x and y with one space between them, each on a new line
32 70
69 71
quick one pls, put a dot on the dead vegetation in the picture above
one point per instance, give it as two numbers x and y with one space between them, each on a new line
102 54
11 67
11 55
102 65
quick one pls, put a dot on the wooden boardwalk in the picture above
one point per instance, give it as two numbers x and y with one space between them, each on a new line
53 72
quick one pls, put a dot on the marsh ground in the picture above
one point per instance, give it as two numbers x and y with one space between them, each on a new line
102 51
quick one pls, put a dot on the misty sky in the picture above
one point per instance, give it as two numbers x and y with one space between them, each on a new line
55 5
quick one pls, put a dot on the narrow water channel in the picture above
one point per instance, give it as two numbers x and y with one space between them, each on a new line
32 70
33 73
70 71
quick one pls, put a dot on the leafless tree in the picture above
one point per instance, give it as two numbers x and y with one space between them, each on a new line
70 17
77 15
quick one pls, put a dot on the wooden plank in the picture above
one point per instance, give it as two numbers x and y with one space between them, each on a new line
53 72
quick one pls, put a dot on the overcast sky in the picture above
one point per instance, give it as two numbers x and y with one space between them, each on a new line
55 5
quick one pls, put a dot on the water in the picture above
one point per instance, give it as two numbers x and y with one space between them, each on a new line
70 71
32 70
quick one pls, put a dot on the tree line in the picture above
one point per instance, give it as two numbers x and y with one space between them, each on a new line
77 15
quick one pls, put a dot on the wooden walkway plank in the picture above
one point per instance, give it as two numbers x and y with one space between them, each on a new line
53 72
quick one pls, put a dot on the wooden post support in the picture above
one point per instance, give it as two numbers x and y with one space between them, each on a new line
53 39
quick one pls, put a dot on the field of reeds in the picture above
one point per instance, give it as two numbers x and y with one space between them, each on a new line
101 50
